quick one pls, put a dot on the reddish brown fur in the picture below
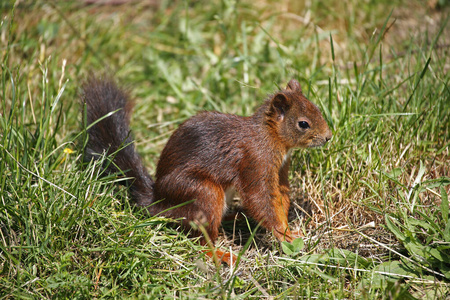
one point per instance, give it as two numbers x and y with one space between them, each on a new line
212 152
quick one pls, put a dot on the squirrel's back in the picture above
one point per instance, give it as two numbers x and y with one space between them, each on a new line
104 100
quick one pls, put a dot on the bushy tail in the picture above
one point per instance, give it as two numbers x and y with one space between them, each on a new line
102 97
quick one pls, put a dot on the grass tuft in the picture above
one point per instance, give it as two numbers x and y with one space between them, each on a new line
373 203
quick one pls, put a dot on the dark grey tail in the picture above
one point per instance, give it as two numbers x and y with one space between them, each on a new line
112 135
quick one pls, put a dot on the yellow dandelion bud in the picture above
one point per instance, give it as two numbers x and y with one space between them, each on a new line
68 151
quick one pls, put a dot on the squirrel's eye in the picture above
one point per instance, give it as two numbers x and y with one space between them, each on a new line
303 124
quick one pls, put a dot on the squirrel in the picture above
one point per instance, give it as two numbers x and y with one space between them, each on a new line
208 158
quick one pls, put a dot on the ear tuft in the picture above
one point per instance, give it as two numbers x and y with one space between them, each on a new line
279 105
294 86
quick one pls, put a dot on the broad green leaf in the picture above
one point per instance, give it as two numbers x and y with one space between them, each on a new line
439 255
288 248
396 267
298 244
395 173
416 249
421 223
394 229
447 232
446 273
313 258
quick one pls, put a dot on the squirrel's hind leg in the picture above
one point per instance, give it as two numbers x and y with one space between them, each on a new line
208 214
203 216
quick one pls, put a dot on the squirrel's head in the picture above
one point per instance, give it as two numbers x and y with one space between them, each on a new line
297 121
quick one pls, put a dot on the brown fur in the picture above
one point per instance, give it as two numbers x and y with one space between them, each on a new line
212 152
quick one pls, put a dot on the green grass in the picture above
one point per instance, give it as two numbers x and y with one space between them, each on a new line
376 197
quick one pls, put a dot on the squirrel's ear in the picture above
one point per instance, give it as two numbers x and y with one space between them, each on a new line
279 105
294 86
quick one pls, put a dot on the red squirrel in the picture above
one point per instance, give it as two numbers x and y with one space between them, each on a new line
209 157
